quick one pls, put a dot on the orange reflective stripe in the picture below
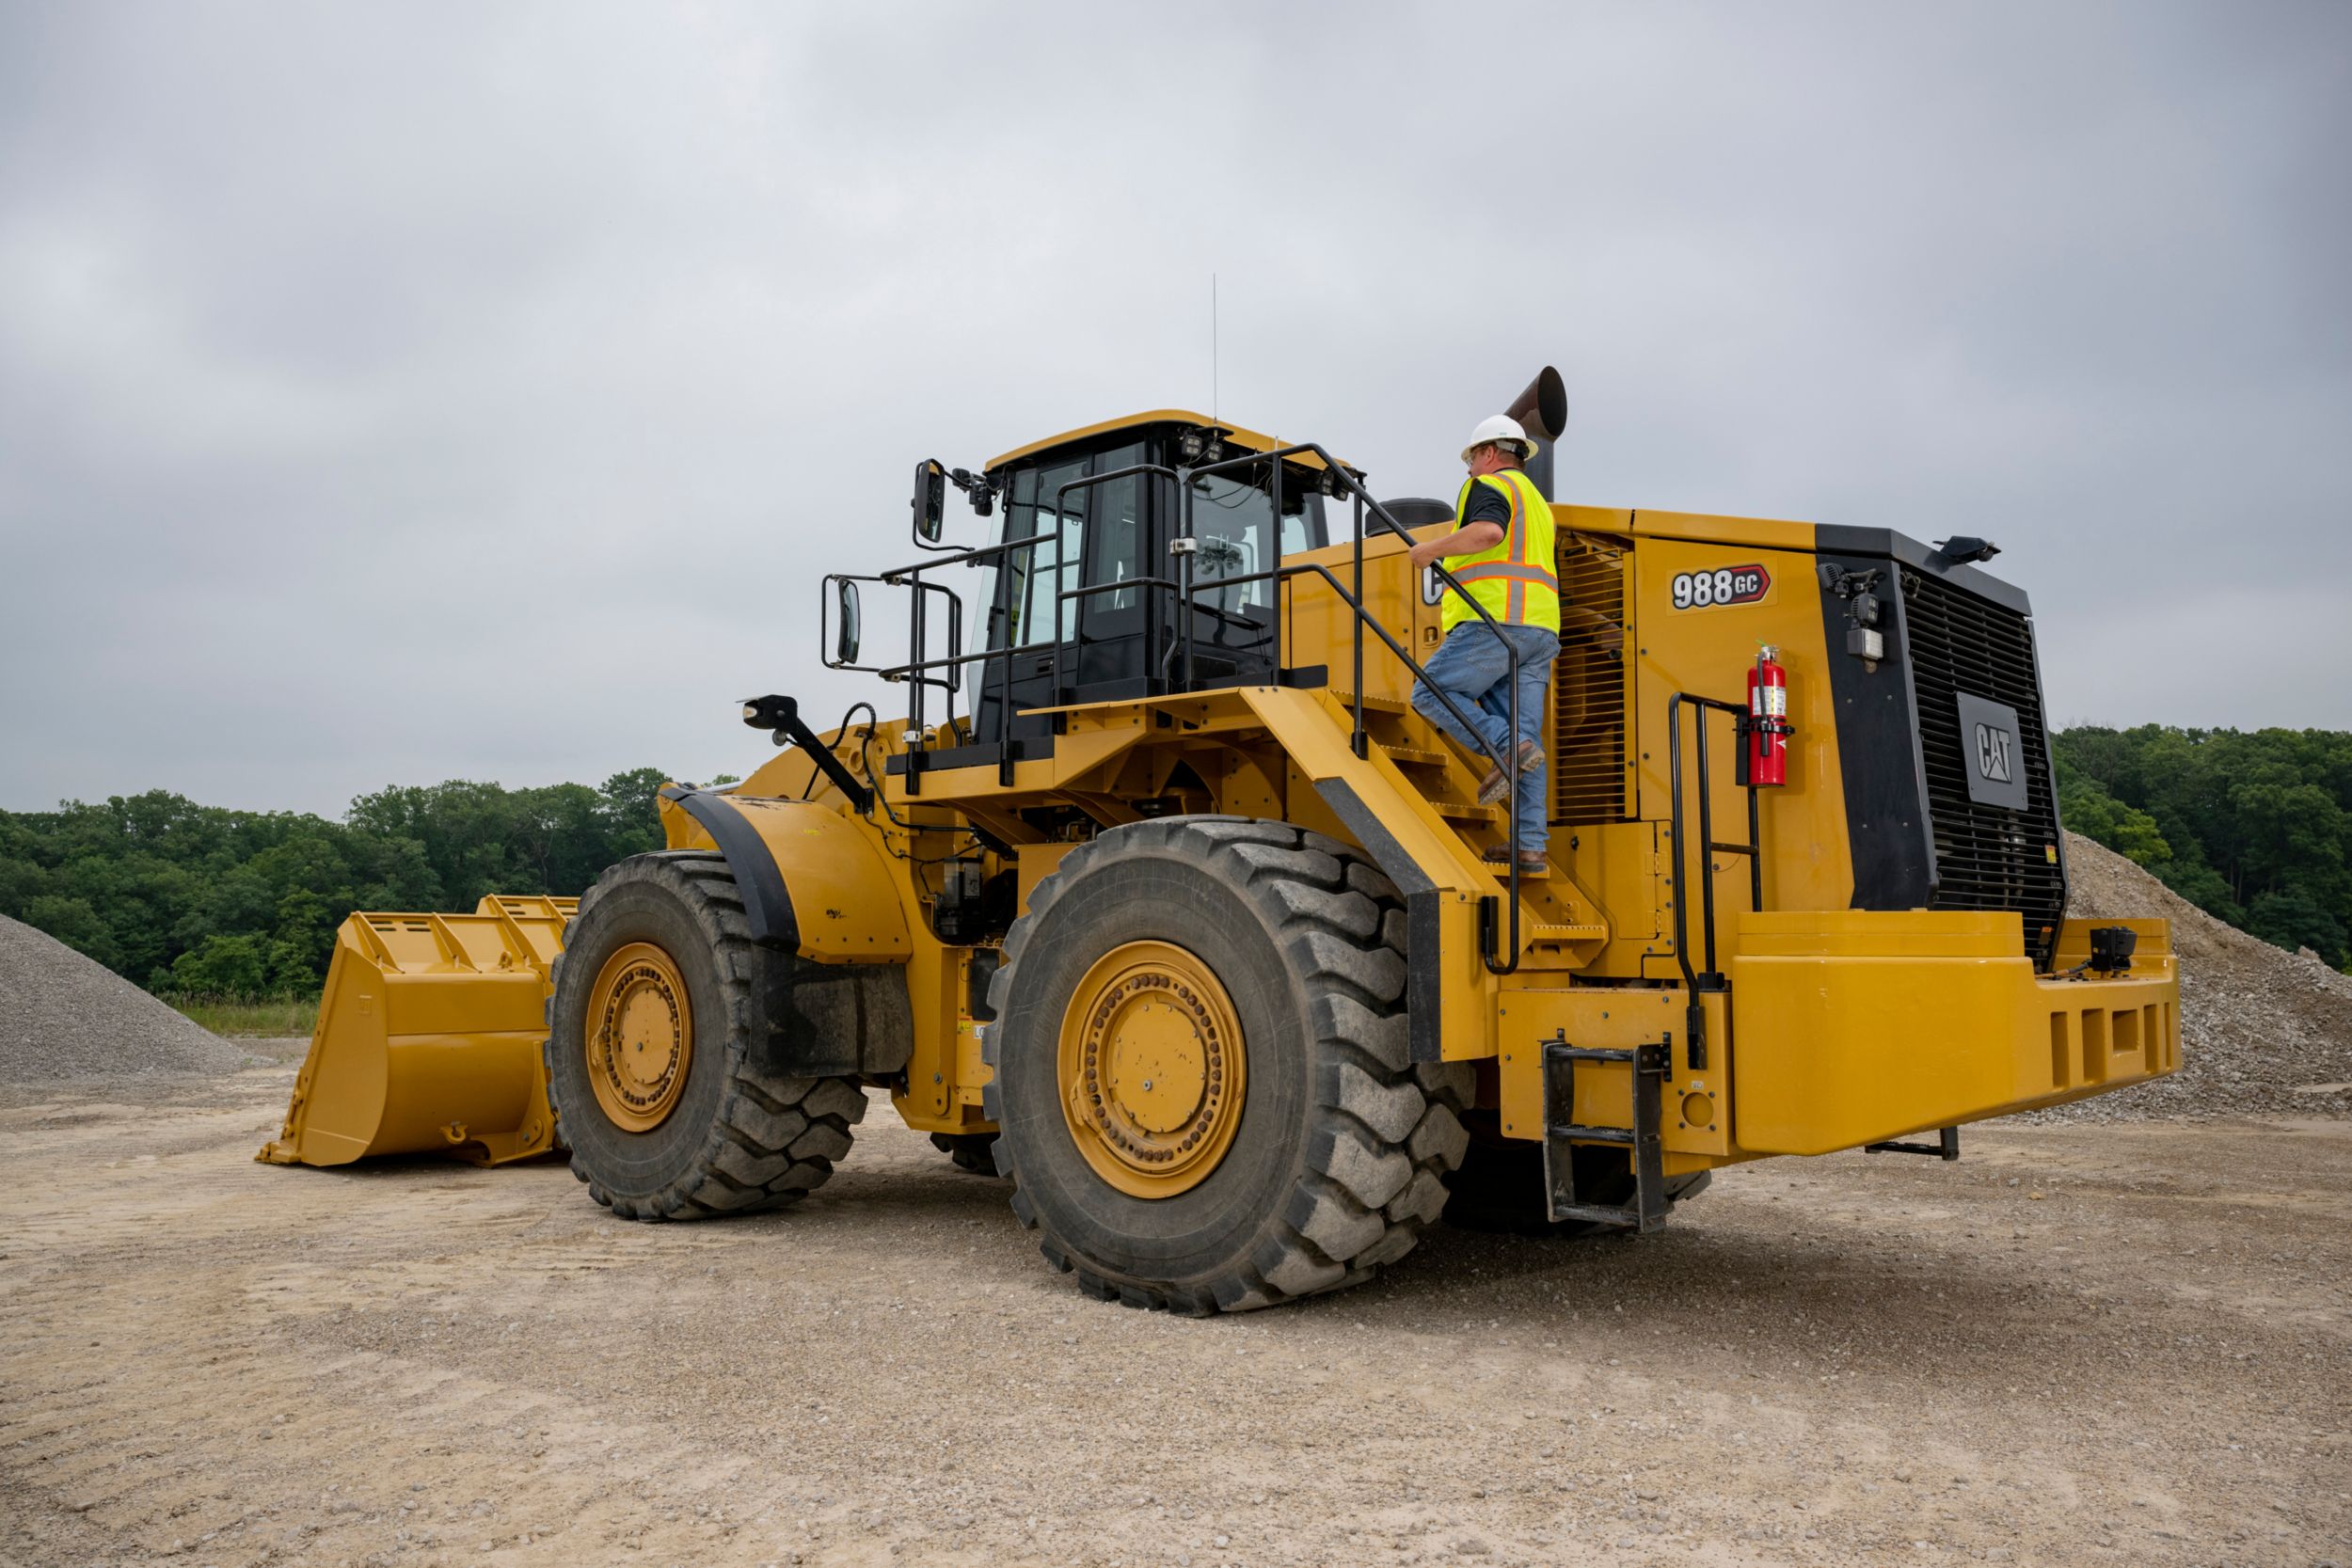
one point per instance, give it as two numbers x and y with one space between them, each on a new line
1486 569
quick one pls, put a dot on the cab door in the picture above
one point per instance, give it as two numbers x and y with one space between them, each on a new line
1236 638
1089 535
1108 630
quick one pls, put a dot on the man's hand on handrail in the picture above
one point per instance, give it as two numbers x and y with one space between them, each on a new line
1468 539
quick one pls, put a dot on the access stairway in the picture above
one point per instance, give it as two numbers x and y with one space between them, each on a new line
1560 926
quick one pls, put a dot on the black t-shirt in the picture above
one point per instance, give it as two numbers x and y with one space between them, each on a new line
1487 504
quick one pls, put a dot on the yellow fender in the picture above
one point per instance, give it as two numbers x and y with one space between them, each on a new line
815 882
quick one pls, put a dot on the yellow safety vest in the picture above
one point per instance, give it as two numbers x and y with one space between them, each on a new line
1515 582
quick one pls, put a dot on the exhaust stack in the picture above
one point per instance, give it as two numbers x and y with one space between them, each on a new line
1542 409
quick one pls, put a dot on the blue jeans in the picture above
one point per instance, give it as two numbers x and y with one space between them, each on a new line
1471 668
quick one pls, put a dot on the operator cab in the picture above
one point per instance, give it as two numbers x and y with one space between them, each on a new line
1091 612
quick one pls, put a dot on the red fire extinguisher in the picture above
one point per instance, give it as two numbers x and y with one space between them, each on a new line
1768 718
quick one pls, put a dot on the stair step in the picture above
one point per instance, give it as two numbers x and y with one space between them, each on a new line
1411 755
1465 811
1564 934
1374 704
1527 874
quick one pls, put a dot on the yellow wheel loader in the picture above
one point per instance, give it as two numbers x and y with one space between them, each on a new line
1165 903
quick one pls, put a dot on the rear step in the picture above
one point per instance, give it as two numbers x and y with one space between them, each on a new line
1651 1065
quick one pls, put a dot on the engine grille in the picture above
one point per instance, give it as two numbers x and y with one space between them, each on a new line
1590 781
1987 857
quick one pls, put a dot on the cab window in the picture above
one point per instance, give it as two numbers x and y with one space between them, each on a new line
1234 522
1054 567
1117 551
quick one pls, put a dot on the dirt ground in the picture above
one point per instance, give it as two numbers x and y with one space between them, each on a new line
2104 1344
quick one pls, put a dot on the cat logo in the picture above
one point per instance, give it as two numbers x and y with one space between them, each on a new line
1988 751
1994 746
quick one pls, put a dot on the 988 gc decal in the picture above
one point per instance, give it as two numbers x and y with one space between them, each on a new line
1725 585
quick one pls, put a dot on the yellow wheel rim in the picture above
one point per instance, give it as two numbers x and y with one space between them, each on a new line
1151 1070
641 1037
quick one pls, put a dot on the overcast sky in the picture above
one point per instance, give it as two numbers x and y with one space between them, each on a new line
401 392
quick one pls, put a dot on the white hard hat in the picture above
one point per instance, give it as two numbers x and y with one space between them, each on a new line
1498 427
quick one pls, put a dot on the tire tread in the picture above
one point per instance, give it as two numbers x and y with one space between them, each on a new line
775 1139
1382 1131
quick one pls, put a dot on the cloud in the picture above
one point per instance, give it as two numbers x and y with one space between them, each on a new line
393 394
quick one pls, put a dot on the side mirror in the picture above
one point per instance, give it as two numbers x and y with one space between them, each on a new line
845 643
930 500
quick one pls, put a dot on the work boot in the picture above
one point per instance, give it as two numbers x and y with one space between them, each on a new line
1530 860
1492 789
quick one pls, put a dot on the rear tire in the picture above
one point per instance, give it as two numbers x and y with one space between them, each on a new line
1341 1146
735 1136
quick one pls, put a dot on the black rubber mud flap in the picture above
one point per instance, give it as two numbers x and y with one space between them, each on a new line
767 902
1425 1041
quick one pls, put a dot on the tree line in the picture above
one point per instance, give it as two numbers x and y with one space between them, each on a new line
205 900
2251 826
2254 827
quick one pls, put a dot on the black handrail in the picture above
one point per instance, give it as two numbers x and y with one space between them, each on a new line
1709 979
912 673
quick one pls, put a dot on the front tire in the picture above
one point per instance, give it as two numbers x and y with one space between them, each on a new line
1269 1138
654 1064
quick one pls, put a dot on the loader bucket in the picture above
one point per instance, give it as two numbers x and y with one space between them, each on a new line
428 1038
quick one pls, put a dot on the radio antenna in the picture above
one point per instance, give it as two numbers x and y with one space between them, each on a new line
1213 348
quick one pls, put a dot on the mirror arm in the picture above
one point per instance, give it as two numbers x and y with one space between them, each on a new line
976 488
783 715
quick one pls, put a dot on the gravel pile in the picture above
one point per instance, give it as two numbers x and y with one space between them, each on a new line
66 1018
2263 1031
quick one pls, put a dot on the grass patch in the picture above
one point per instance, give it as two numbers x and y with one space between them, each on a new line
262 1017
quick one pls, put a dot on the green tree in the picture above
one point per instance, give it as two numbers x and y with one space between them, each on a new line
224 966
2085 806
2255 820
183 896
75 923
627 814
2294 918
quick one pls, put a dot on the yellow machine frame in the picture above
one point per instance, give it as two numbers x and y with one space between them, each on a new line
1836 1026
1841 1026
